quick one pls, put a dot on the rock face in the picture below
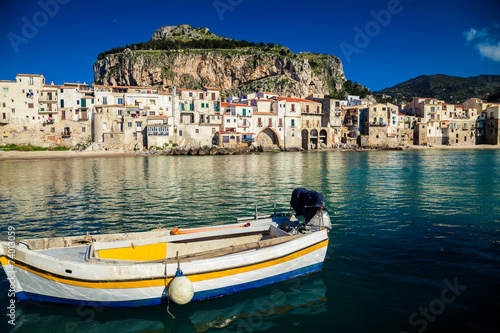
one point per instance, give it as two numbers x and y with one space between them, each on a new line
235 71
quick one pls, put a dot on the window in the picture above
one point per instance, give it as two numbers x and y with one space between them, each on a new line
270 122
52 130
5 90
30 105
129 124
135 136
120 101
197 131
63 115
307 108
31 81
181 105
119 112
152 113
62 103
293 122
259 122
84 129
25 128
13 110
281 123
180 133
105 100
228 120
78 102
293 107
317 109
225 138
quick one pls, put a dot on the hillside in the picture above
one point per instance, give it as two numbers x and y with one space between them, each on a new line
188 57
452 89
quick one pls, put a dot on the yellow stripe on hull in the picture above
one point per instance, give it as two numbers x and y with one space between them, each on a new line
160 281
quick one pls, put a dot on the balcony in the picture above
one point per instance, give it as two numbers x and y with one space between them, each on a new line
379 123
48 99
47 110
66 134
243 124
48 122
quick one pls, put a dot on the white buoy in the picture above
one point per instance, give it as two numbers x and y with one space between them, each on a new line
181 289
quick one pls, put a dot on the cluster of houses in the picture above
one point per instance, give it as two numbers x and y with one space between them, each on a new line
128 117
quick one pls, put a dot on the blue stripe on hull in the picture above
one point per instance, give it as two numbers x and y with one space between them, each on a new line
27 296
256 284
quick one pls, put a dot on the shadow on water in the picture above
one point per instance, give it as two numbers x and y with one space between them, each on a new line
271 306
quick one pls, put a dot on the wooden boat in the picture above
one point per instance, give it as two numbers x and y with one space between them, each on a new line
154 267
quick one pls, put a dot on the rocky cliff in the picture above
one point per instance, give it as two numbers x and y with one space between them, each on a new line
235 70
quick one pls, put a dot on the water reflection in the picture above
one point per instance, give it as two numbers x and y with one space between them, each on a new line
405 219
247 311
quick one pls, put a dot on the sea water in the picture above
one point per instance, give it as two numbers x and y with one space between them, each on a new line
415 243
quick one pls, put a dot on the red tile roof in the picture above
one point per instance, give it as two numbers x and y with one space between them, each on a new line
224 104
263 100
296 100
158 117
234 104
265 113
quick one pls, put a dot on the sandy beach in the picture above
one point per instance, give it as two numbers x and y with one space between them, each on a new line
37 155
58 155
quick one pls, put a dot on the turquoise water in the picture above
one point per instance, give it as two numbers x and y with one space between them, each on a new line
415 245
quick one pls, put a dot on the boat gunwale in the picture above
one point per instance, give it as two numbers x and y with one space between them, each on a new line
19 263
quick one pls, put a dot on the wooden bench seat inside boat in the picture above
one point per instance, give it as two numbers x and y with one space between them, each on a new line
189 246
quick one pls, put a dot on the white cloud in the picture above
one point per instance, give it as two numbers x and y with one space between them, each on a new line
491 51
486 40
471 34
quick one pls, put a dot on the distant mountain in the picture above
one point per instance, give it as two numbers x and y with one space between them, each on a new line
452 89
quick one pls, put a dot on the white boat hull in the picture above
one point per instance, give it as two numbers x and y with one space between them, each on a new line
42 278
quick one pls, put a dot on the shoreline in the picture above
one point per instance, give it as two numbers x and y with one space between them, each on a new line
58 155
72 154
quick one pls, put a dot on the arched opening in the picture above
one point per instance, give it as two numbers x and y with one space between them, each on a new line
313 139
305 139
323 137
267 138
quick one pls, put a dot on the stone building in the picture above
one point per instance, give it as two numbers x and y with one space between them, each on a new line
332 115
31 114
489 123
380 126
405 130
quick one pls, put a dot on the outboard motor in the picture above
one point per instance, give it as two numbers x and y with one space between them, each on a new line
311 205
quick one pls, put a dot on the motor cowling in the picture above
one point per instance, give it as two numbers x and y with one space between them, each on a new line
319 221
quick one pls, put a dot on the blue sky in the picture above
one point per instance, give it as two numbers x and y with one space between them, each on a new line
381 43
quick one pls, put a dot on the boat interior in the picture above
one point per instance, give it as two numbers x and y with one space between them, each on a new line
162 245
